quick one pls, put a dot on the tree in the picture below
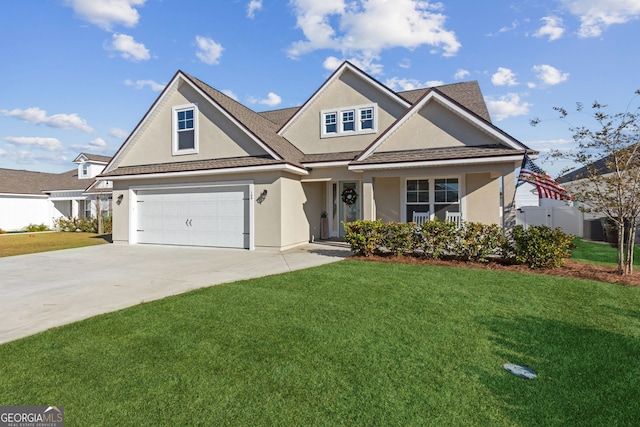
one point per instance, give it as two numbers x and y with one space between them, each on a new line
609 180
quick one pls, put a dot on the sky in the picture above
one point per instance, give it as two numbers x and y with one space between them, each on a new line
79 75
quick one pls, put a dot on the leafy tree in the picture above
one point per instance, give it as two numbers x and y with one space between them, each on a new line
609 180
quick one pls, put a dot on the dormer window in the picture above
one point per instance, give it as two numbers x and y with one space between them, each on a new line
348 121
85 169
185 129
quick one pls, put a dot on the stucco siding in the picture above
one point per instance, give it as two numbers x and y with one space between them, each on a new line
482 198
218 137
387 198
314 206
346 91
435 127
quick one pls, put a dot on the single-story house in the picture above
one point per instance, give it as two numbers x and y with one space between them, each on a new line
28 197
200 168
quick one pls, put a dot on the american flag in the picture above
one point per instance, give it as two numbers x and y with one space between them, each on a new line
547 187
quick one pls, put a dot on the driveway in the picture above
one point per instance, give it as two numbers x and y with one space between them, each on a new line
49 289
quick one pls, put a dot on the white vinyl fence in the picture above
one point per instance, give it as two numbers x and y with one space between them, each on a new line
569 218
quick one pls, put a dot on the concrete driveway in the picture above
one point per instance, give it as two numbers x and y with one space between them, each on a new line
49 289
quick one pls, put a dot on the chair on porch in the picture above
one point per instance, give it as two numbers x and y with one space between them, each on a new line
455 217
420 217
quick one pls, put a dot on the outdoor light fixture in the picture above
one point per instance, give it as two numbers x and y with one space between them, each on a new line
262 196
119 200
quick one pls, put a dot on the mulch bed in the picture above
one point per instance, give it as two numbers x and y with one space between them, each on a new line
570 268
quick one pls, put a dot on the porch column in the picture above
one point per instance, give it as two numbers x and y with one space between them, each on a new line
509 195
74 208
368 200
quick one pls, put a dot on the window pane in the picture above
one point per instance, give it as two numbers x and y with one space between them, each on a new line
348 126
186 140
181 125
441 210
412 197
181 115
423 196
331 128
189 124
189 114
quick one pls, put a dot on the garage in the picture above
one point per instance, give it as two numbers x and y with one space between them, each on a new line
194 216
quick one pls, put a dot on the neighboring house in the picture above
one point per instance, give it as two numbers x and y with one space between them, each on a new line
39 198
202 169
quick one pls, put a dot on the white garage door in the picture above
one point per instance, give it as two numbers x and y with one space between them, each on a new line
194 216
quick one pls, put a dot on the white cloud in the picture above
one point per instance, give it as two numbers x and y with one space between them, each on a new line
230 94
597 15
331 63
461 74
49 144
140 84
509 105
129 48
97 145
363 29
405 63
271 100
118 133
209 51
549 75
504 77
552 28
107 13
253 7
30 157
398 84
39 116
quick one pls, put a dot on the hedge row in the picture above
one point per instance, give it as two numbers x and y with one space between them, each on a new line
537 246
88 225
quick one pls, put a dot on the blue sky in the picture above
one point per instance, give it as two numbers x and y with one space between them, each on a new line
78 75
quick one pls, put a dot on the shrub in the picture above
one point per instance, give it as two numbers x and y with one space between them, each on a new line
364 236
537 246
476 241
397 237
88 225
435 238
32 228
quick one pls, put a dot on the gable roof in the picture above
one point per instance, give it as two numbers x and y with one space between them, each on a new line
346 66
95 158
13 181
435 95
260 129
266 128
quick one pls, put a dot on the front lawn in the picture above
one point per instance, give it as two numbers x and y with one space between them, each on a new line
599 253
28 243
350 343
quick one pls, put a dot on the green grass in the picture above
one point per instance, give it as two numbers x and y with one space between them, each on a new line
20 244
351 343
600 253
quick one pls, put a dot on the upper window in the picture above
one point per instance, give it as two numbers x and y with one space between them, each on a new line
85 169
348 121
185 129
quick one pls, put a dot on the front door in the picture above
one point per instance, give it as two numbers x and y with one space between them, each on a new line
348 203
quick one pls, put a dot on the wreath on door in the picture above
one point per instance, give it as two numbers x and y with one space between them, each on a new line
349 196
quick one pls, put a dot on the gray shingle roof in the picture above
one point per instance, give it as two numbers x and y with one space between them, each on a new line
14 181
263 128
197 165
433 154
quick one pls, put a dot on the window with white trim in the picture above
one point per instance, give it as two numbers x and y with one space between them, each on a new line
436 196
87 209
185 129
85 169
349 121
